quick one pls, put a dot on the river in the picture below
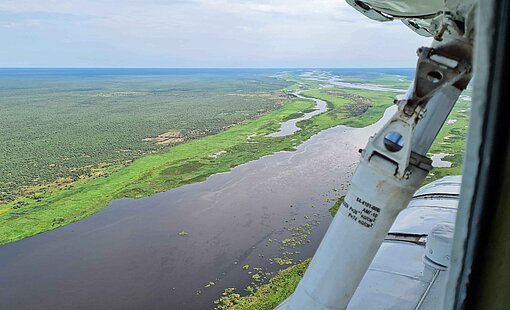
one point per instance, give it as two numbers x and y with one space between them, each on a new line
160 252
289 127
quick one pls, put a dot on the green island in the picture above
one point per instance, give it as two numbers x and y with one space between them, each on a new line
49 207
451 140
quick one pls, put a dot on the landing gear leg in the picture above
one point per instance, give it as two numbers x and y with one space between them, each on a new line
393 166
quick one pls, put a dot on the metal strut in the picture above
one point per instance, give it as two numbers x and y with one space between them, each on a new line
436 70
392 167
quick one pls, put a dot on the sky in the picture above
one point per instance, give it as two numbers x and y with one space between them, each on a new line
199 33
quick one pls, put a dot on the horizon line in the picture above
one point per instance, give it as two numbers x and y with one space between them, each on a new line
305 68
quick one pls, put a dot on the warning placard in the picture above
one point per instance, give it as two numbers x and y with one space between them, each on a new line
360 211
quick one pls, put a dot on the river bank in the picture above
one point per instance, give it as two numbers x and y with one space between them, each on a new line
183 164
265 213
239 227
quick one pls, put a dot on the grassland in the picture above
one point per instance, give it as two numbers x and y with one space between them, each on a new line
182 164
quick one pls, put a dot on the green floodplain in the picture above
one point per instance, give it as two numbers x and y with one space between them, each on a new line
70 146
67 196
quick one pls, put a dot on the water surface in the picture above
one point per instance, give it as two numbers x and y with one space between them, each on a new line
289 127
131 256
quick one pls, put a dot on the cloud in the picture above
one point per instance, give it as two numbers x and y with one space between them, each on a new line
194 33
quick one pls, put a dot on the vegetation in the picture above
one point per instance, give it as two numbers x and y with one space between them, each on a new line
367 106
72 145
452 141
57 129
334 209
266 296
387 80
182 164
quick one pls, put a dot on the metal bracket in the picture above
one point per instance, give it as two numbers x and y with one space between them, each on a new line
393 141
436 69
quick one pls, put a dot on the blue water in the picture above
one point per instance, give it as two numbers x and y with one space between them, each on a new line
408 72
